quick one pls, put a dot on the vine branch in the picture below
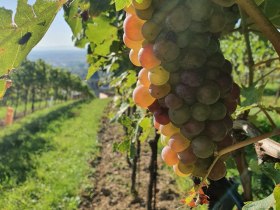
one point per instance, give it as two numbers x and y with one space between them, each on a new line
265 26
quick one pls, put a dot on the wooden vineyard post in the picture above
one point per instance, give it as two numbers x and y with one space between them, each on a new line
9 116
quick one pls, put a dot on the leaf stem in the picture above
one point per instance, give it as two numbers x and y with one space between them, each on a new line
265 26
266 62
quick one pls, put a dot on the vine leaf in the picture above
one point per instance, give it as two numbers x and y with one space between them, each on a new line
276 193
31 23
120 4
266 203
252 95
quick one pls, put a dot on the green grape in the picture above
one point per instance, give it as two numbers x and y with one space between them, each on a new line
171 66
158 76
150 30
184 38
173 102
201 166
200 112
213 47
218 171
218 111
145 14
192 128
193 78
216 130
199 27
217 21
209 93
212 73
200 41
200 10
179 116
174 78
203 147
166 51
186 92
194 58
178 20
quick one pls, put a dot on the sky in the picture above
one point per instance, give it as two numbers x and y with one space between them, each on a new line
58 35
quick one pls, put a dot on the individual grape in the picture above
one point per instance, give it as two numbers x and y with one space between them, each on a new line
145 4
178 20
131 44
182 169
216 130
227 141
227 121
167 6
201 166
142 97
187 156
212 73
200 41
171 66
193 78
161 116
194 58
132 28
150 30
161 101
169 156
164 140
159 91
133 56
143 77
216 60
192 128
224 3
184 38
200 112
218 111
208 93
235 91
145 14
225 82
158 75
200 10
147 58
174 78
168 129
218 171
213 47
187 93
199 27
166 51
202 147
173 102
217 21
231 105
155 106
178 143
179 116
227 67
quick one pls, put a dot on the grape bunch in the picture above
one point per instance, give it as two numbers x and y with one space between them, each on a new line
185 81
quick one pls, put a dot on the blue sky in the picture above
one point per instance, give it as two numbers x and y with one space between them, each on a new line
58 35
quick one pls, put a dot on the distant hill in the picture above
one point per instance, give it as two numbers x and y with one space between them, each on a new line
72 59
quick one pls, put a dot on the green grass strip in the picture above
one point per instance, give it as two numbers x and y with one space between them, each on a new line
43 158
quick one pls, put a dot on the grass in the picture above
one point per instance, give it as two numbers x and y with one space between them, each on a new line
43 158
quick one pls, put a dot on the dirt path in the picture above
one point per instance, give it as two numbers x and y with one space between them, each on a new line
112 178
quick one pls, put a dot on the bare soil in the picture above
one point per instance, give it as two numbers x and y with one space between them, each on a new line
111 181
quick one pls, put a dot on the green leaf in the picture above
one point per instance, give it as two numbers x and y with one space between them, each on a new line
276 193
120 4
94 67
266 203
146 125
277 166
102 34
252 95
2 88
32 22
272 11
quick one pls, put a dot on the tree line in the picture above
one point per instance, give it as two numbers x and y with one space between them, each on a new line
39 84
